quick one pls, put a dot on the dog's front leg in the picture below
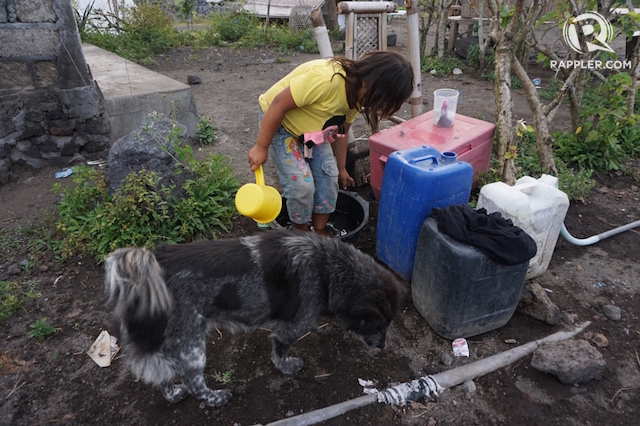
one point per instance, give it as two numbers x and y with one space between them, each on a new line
281 359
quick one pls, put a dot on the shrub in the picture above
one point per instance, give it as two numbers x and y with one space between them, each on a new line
608 136
473 57
143 212
440 66
231 26
141 32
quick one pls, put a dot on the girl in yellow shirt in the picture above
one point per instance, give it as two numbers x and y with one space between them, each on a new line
318 101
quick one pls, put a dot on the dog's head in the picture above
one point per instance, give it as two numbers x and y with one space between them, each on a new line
371 313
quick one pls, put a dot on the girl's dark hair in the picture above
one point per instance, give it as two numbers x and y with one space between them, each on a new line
388 82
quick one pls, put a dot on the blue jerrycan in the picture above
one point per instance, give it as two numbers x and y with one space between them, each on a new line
416 180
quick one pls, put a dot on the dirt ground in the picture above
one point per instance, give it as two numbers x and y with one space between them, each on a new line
55 382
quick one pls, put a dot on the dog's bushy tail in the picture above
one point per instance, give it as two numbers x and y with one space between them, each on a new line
141 301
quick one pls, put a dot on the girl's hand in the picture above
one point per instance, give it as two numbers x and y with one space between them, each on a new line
345 180
257 157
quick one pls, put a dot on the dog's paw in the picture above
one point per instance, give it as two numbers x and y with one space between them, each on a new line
217 398
289 365
174 393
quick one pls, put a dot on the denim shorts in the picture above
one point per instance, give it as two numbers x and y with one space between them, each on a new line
309 187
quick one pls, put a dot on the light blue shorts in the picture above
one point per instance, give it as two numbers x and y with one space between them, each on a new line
309 187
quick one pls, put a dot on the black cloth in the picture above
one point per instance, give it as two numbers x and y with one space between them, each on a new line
494 235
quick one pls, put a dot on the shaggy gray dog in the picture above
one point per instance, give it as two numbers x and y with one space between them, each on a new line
289 282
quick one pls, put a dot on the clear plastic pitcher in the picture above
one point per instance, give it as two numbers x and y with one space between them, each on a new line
445 102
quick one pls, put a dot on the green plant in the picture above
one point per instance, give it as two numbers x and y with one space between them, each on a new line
440 66
205 133
12 296
209 203
10 299
608 136
141 32
473 57
144 211
143 219
286 40
40 329
223 377
187 9
10 240
231 26
83 21
575 183
550 90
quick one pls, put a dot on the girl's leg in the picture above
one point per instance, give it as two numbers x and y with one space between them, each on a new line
325 175
295 176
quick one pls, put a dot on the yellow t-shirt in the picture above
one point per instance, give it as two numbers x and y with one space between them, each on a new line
319 94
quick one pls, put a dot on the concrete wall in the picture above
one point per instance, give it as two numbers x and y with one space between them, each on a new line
51 112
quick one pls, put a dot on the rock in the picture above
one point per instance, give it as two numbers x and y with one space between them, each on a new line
14 269
612 312
568 318
600 340
43 268
148 147
193 79
446 359
469 387
571 361
535 302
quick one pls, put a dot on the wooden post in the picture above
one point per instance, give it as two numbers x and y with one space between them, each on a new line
349 48
413 31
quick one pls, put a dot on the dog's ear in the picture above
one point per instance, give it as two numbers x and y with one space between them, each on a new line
395 292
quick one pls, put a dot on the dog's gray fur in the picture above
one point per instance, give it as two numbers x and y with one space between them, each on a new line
164 301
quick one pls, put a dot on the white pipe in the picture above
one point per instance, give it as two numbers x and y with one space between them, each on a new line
443 380
595 238
324 44
366 6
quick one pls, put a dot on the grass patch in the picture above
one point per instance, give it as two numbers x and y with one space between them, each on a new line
13 295
143 31
440 66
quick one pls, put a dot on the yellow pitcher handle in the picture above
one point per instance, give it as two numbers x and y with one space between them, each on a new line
259 176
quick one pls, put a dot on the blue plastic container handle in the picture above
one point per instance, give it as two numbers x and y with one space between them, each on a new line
447 157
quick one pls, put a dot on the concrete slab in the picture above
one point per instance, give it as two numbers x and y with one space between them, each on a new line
132 92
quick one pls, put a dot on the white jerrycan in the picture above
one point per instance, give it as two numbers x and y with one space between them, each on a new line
535 205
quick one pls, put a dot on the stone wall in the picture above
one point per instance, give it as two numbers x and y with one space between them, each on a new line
51 111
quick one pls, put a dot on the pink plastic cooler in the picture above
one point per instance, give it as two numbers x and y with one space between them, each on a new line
470 138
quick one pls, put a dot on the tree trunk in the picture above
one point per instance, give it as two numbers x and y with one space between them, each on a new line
541 124
442 27
332 14
505 39
504 108
576 93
